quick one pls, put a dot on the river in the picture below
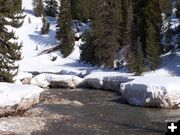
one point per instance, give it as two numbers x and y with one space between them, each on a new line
103 113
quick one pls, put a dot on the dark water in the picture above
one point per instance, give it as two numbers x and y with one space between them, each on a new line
104 113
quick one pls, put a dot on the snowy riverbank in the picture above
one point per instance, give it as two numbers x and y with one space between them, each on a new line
17 98
149 91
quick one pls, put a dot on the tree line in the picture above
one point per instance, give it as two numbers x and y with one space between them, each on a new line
131 27
10 15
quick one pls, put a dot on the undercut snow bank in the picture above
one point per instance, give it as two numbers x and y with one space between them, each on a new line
15 98
56 81
106 80
163 92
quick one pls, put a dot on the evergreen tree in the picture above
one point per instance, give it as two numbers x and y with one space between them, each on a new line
153 53
138 65
137 36
102 43
153 19
81 9
129 36
9 50
38 8
165 6
64 32
17 6
107 35
88 48
51 8
46 25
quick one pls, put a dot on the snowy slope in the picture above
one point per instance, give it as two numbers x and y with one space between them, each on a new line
34 43
170 66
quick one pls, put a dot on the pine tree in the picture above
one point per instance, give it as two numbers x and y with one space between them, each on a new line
136 34
64 32
51 8
81 9
88 49
153 19
152 49
17 6
102 43
38 8
46 25
9 50
107 35
138 66
128 40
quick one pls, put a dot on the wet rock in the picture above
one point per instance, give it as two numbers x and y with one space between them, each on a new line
76 103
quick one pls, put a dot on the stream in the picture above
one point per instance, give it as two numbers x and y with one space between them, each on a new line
102 113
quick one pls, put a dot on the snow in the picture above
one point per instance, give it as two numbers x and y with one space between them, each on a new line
46 80
21 75
106 80
34 43
12 94
170 66
161 92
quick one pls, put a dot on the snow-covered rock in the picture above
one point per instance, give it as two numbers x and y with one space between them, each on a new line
17 98
106 80
23 78
56 81
163 92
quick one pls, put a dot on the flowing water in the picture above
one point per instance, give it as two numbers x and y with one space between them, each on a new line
103 113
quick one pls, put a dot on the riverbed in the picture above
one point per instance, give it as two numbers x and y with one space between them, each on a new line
89 112
103 113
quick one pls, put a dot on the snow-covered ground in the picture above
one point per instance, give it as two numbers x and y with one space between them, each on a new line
170 66
34 43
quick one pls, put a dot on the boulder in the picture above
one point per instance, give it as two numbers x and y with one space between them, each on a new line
17 98
57 81
163 92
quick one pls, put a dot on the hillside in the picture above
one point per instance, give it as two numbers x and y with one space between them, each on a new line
34 43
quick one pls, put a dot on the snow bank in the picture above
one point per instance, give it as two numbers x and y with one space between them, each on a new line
106 80
23 78
161 92
16 97
57 81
